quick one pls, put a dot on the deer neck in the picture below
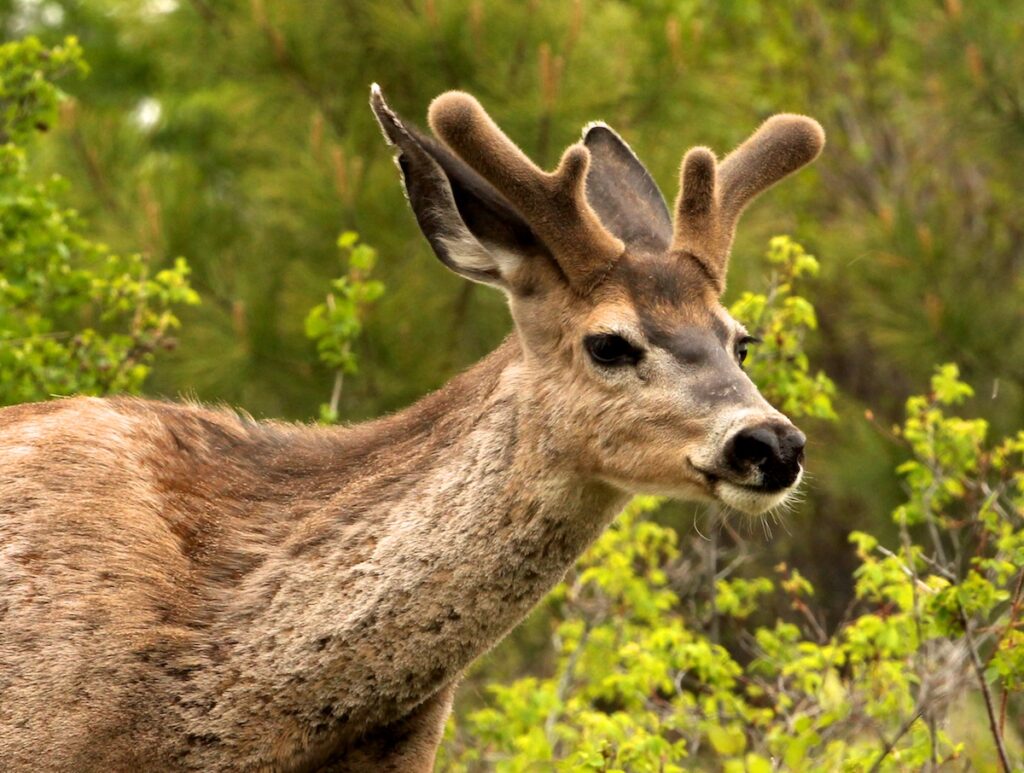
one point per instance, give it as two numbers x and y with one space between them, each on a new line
464 515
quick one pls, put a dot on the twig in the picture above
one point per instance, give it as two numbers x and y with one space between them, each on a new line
802 608
211 17
339 374
979 670
926 501
741 558
918 583
933 760
1015 606
939 567
1002 710
565 682
339 378
53 335
712 547
890 745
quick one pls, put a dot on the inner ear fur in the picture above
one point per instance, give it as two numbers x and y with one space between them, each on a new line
470 226
623 193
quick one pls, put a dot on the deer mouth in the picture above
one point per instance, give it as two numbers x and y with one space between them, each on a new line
749 498
753 500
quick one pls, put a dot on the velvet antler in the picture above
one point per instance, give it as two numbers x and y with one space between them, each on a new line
554 204
712 196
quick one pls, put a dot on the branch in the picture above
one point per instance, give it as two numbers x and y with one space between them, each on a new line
291 67
979 670
211 17
890 745
1015 606
94 171
565 683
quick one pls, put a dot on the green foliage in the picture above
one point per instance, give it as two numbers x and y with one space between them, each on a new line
782 320
28 97
335 324
259 144
642 684
74 316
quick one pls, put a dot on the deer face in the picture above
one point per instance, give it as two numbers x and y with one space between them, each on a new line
637 367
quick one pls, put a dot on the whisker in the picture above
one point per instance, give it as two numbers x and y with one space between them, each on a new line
718 521
696 512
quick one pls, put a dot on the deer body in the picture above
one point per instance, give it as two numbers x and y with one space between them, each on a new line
268 610
187 589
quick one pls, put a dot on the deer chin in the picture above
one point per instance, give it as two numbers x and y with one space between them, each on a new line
752 500
744 497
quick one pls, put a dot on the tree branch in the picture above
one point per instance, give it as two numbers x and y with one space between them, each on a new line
211 17
291 67
890 745
979 670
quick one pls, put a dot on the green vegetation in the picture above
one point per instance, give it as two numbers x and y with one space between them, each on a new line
237 134
337 323
75 318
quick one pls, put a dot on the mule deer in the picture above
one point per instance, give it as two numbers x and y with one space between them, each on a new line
183 588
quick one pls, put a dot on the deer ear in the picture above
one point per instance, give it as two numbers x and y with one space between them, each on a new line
471 227
623 194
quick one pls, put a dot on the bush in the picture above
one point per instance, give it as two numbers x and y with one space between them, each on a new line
75 318
337 323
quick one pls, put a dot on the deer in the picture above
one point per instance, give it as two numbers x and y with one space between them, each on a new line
185 588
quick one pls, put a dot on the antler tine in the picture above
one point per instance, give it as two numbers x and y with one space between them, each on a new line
554 204
712 198
782 144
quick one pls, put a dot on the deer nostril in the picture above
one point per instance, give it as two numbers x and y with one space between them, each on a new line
791 443
753 447
775 450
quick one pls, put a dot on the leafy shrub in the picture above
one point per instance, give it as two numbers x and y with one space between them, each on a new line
336 323
75 318
642 684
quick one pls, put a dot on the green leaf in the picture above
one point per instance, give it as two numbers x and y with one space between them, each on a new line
728 740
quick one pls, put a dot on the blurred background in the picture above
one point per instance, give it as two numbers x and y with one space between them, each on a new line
236 133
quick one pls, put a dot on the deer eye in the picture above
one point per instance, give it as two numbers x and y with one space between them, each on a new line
609 349
741 347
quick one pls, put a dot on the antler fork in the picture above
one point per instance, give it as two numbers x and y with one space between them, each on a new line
553 203
712 196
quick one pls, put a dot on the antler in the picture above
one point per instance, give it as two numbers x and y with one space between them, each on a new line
711 200
554 204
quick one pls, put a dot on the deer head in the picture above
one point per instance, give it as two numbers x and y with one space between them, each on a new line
633 364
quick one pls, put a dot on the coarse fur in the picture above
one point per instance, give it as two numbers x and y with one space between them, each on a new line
184 588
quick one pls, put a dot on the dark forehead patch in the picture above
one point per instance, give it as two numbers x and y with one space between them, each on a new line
671 297
662 280
689 345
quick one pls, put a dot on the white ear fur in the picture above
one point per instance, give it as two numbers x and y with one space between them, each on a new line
469 253
430 189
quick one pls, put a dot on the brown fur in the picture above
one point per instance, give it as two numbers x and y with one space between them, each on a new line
711 199
183 588
554 204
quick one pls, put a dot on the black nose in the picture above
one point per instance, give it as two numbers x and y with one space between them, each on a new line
774 448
